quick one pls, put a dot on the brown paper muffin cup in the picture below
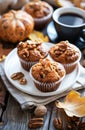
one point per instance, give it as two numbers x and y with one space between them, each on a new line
26 64
71 66
46 87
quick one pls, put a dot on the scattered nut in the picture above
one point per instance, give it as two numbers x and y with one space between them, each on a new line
58 123
40 111
83 63
20 77
23 81
35 123
75 120
1 123
69 127
82 126
17 76
2 58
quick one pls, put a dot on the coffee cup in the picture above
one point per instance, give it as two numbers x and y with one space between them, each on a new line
69 23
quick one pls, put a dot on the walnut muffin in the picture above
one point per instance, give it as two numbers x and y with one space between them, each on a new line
30 52
41 12
67 54
47 75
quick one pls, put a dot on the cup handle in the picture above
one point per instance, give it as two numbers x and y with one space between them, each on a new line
82 37
81 41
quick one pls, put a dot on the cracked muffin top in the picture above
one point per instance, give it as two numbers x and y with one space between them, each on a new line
37 9
47 71
31 50
64 52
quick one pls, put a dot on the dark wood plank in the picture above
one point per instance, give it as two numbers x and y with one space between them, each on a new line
14 117
66 121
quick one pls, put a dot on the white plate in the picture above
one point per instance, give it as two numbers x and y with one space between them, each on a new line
12 65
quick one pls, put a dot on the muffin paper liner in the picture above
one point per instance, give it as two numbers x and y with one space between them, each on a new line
26 64
71 66
46 87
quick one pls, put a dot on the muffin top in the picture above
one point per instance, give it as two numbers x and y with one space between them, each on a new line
31 50
64 52
37 9
47 71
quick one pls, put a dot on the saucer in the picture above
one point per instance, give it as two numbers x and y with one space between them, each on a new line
54 38
52 34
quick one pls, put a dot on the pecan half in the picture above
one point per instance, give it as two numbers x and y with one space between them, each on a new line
57 123
2 57
35 123
17 76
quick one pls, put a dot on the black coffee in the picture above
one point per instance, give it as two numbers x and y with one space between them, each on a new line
71 19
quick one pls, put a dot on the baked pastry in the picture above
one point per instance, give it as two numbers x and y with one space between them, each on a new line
30 52
67 54
79 3
47 75
15 26
41 12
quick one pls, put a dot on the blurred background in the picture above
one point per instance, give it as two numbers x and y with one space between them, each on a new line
17 4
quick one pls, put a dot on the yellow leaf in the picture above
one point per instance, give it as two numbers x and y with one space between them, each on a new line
73 105
63 3
36 35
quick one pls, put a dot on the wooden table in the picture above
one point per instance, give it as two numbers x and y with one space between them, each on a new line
13 118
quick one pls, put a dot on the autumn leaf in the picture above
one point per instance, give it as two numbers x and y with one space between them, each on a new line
3 52
73 105
63 3
36 35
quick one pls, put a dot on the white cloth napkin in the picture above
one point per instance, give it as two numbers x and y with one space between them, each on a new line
27 101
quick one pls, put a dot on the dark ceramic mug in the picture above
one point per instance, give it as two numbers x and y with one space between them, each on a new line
69 23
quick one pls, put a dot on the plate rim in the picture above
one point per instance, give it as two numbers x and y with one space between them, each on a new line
40 93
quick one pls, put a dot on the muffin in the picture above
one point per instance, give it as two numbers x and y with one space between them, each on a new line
47 75
41 12
66 54
30 52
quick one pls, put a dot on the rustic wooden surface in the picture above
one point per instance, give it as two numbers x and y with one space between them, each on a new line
14 118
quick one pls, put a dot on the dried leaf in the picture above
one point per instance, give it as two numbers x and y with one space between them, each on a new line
3 52
70 3
73 105
36 35
64 3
